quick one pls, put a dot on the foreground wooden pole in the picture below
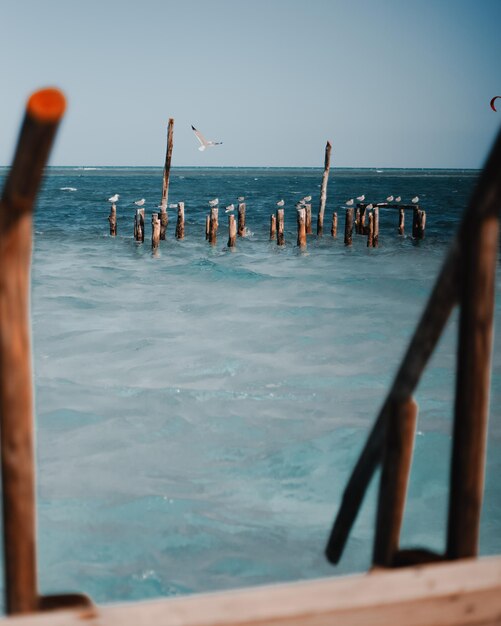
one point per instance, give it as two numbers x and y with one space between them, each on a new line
180 221
401 221
273 227
139 225
280 227
421 224
415 222
241 219
207 226
164 220
168 158
397 458
334 225
362 220
214 214
112 219
155 230
357 221
348 227
323 190
376 227
232 231
307 212
301 228
370 233
44 111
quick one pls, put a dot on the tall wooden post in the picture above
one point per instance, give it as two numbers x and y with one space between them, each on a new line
370 233
348 227
214 213
362 220
241 219
112 219
323 190
273 227
307 212
415 222
301 228
232 231
357 221
164 220
168 157
376 227
334 225
139 225
180 221
421 224
207 226
44 111
280 227
401 221
155 230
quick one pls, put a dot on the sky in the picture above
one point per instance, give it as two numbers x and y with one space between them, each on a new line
391 83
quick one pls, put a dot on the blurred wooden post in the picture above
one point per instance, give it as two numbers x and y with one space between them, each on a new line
357 221
415 220
273 227
421 224
155 230
164 220
334 225
401 221
301 228
112 218
241 219
44 111
348 227
207 226
370 233
307 212
375 239
168 157
232 231
323 190
180 221
280 227
214 214
397 457
139 225
362 220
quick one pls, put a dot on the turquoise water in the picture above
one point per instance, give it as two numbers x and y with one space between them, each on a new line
199 410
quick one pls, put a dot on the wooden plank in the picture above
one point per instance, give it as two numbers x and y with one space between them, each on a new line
463 593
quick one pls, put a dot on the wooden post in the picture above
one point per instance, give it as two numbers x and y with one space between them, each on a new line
168 157
357 221
214 213
301 228
362 220
307 210
241 219
415 222
348 227
323 190
273 227
397 458
139 225
280 227
375 239
421 224
180 221
112 219
334 225
155 230
207 226
370 233
401 221
232 230
164 220
44 111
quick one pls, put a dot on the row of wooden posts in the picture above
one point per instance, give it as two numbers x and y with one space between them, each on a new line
159 222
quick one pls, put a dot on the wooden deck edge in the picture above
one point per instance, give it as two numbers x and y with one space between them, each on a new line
455 593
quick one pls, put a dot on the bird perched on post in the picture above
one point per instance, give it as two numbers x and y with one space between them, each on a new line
230 208
114 198
214 202
281 203
350 202
361 198
415 200
398 198
240 198
389 199
140 202
306 199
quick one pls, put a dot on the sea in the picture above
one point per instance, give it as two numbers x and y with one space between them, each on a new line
199 409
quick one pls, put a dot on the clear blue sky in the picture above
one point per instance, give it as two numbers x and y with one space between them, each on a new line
400 83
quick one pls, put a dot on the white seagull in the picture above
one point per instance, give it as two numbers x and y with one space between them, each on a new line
350 202
140 202
173 206
114 198
214 202
389 199
203 141
398 198
306 199
240 198
361 198
369 207
281 203
415 200
230 208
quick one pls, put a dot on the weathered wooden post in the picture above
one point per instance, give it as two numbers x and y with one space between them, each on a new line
207 226
180 221
334 225
301 228
241 219
155 230
168 157
375 238
357 221
280 227
401 221
112 219
307 211
362 220
415 221
139 225
421 225
323 189
214 214
232 231
370 231
164 220
348 227
273 227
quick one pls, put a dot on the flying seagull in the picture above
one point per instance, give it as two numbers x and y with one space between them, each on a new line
281 203
389 199
140 202
415 200
361 198
203 141
214 202
350 202
114 198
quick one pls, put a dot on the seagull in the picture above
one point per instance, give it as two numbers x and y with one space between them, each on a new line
173 206
140 202
398 198
214 202
114 198
350 202
389 199
230 208
281 203
361 198
369 207
203 141
240 198
415 200
306 199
